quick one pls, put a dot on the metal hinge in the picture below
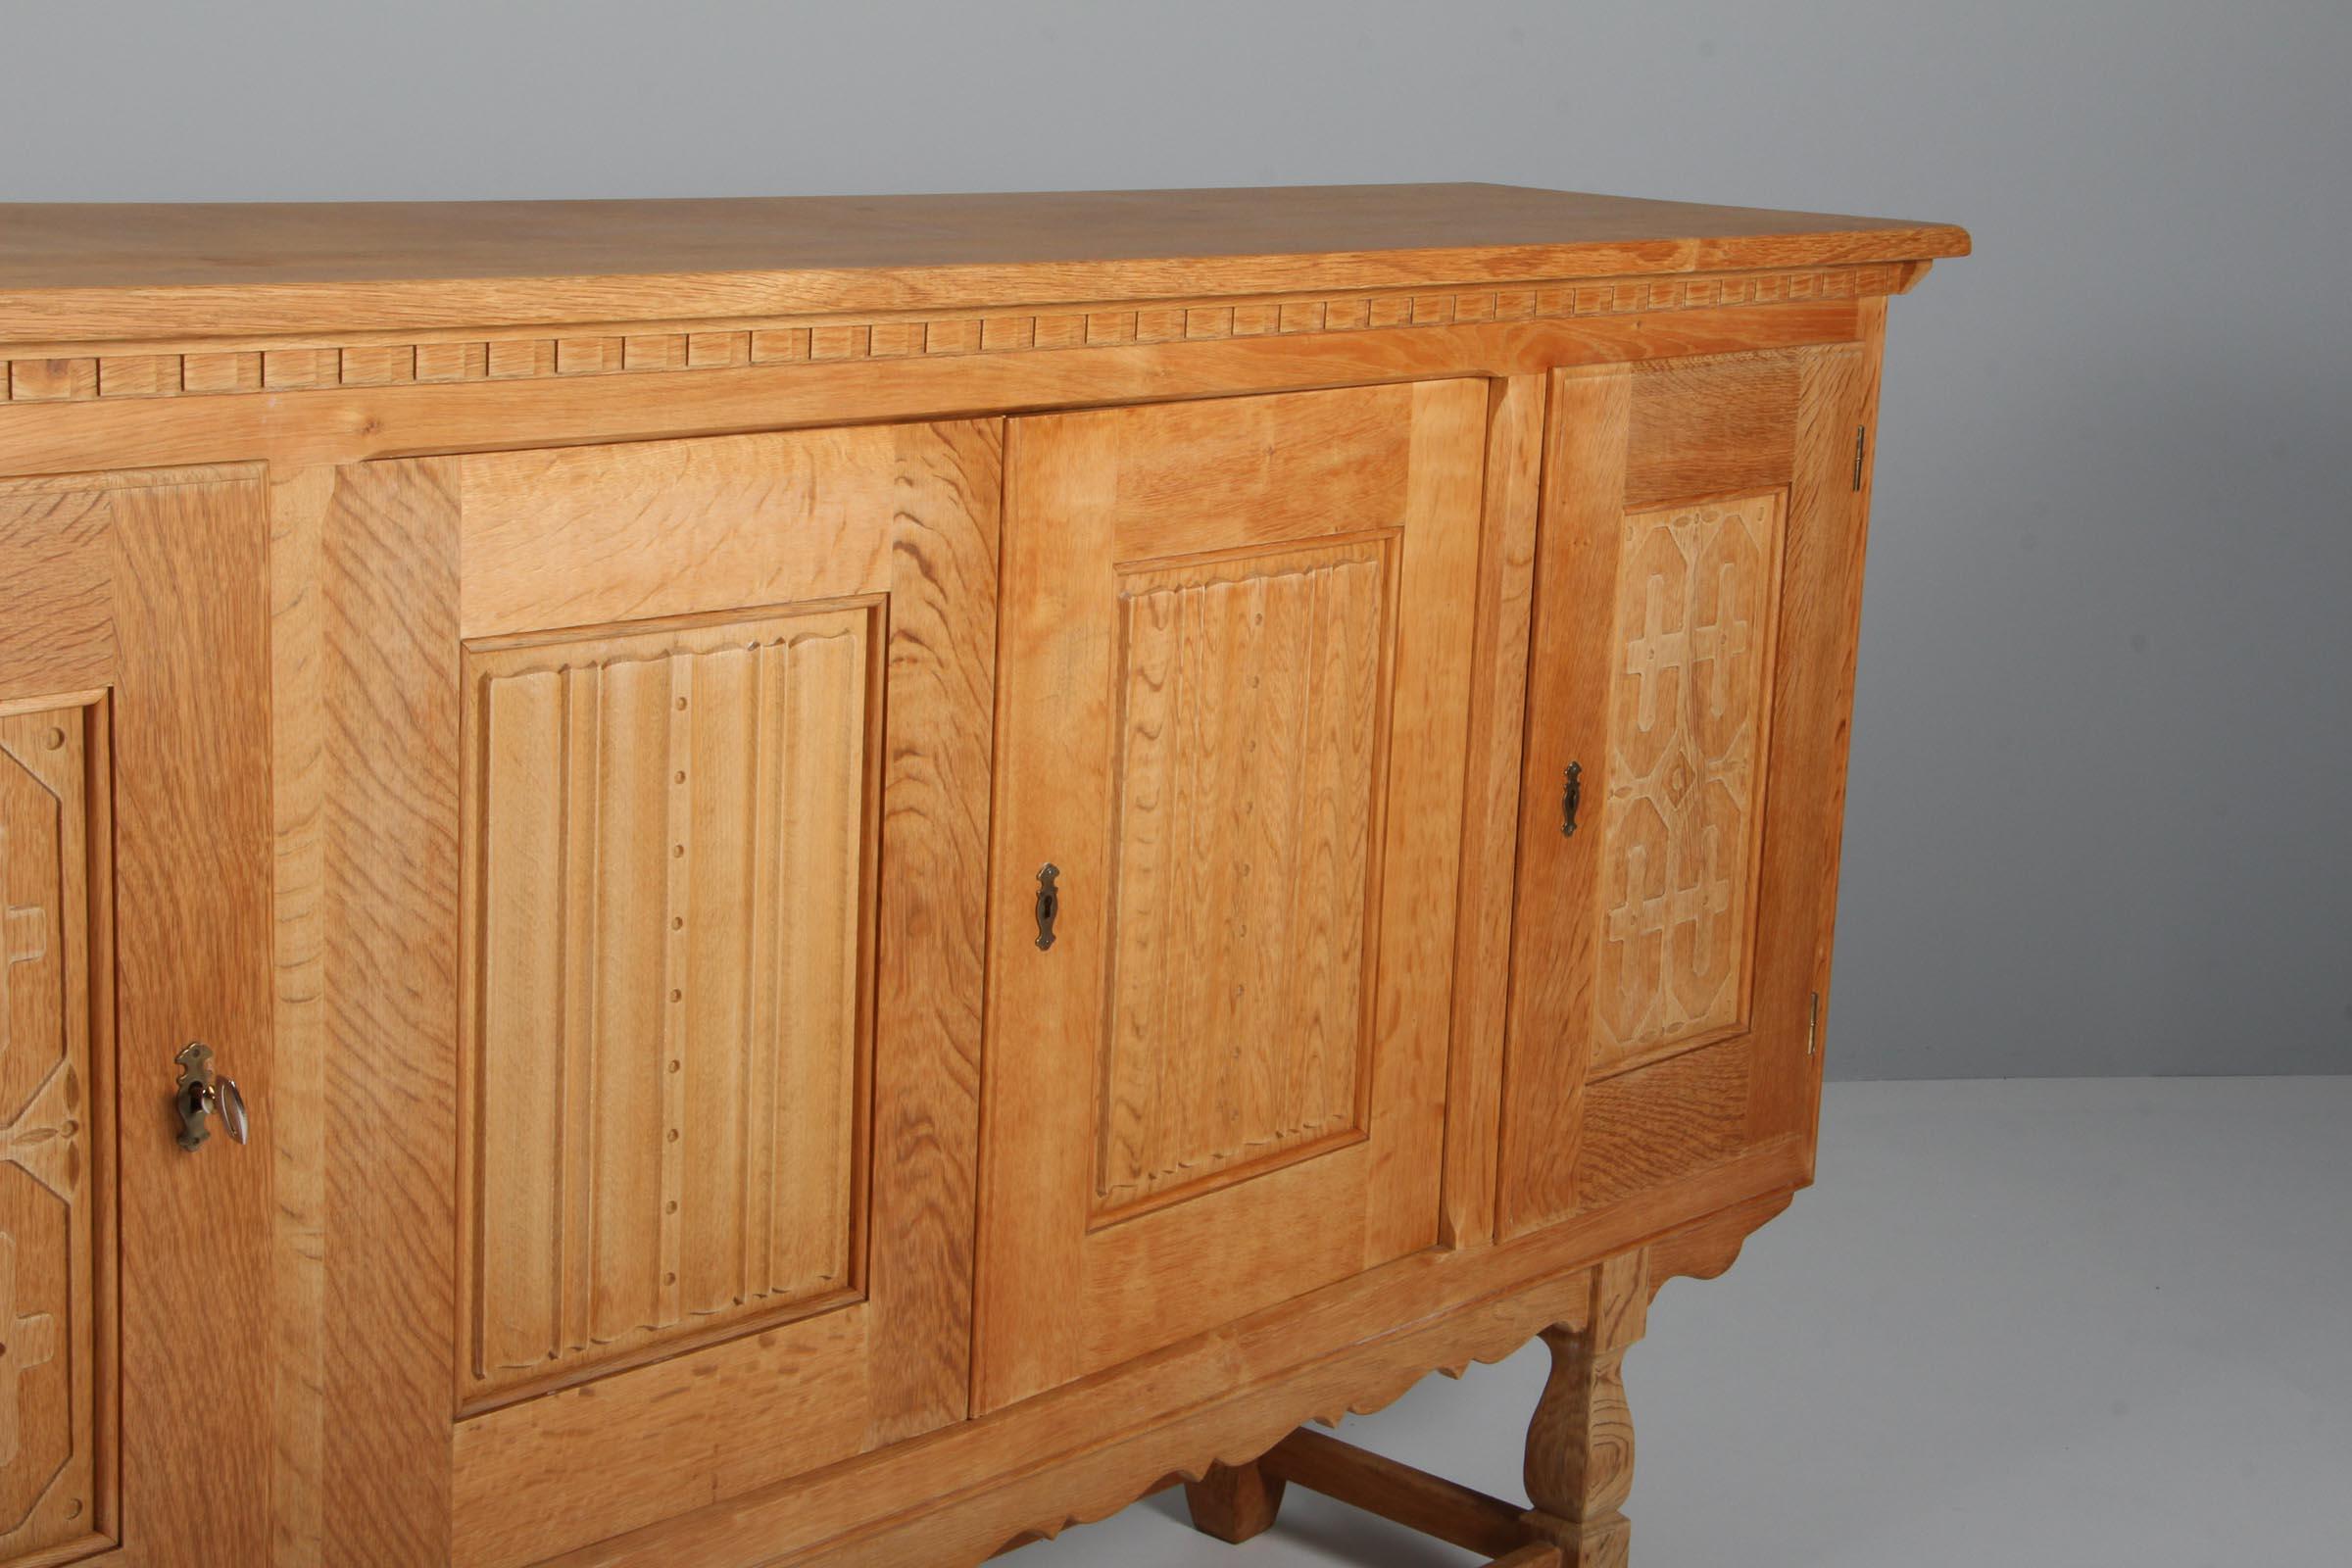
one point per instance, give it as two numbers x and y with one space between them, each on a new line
1813 1024
1861 444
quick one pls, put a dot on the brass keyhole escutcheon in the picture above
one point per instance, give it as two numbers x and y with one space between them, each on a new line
1048 904
204 1094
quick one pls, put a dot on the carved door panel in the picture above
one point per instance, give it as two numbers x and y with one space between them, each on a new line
1234 676
725 752
135 885
1697 581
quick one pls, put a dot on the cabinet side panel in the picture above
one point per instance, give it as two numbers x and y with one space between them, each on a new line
1812 695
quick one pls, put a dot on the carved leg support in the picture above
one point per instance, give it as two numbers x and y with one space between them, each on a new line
1580 1446
1580 1449
1234 1503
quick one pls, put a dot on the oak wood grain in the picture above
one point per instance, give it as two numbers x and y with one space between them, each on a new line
191 738
585 535
1812 700
664 1059
1580 1443
1086 1449
126 268
1515 422
808 1030
57 1131
1340 521
364 651
1234 1502
1694 657
1147 758
1710 426
1426 1504
334 425
1554 942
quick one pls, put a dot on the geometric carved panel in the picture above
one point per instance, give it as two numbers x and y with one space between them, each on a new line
1251 727
51 1317
668 856
1681 812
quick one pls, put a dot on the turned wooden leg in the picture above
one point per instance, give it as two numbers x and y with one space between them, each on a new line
1234 1502
1580 1446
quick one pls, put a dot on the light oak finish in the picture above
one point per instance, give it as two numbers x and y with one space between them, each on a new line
1234 1502
125 270
1692 657
559 643
56 1204
702 1018
65 374
1482 967
1235 678
338 426
1580 1446
1227 1396
672 831
134 734
1414 1498
364 789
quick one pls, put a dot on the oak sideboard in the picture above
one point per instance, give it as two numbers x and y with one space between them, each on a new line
832 881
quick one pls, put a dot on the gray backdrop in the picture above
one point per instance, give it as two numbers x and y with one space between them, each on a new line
2104 739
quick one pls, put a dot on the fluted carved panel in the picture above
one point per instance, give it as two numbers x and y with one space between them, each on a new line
1251 730
670 846
51 1318
1685 773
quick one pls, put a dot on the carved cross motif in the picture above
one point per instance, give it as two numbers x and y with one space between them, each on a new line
1682 764
27 926
26 1343
1641 916
24 935
1657 650
1722 643
23 927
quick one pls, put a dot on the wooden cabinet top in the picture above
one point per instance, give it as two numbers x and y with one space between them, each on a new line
102 271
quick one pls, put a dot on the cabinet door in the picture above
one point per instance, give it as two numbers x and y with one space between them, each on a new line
134 919
1236 666
1699 575
725 753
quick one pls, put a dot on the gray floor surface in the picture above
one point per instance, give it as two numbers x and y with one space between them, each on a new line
2076 1323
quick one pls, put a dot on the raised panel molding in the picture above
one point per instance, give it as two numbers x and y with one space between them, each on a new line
1251 745
670 859
636 348
1688 719
55 1361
